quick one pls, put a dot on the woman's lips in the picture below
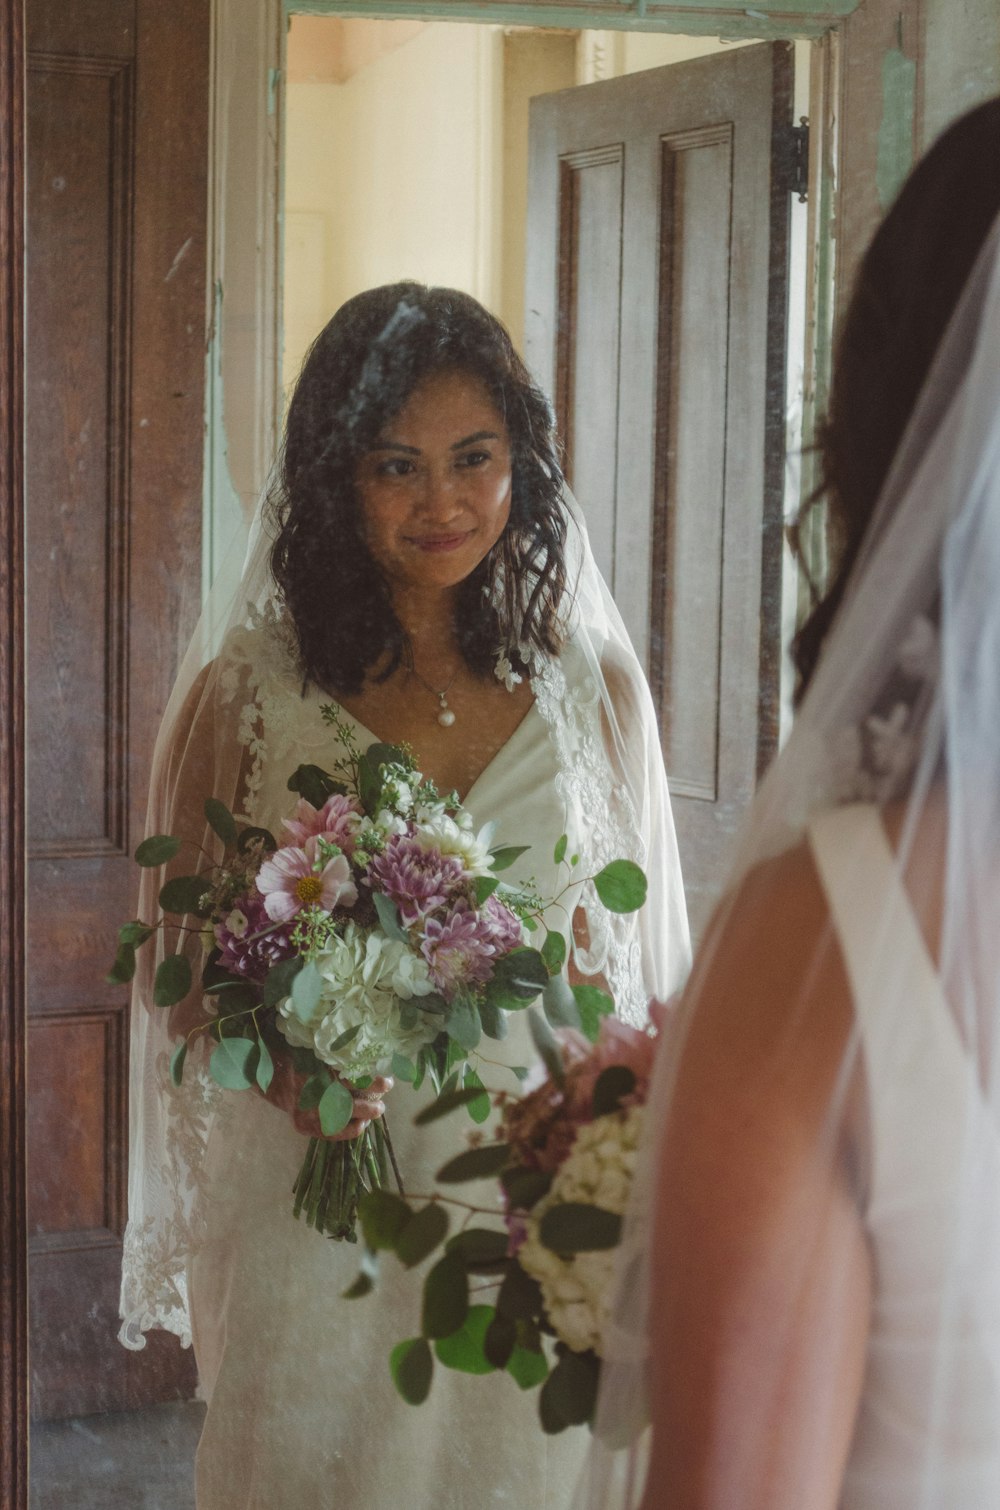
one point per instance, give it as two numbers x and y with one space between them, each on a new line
439 543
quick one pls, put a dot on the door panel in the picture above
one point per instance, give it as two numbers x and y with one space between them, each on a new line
656 294
116 210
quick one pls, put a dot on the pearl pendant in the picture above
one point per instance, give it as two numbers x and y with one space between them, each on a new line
446 717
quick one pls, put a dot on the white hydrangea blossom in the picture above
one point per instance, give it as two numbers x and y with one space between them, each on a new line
368 980
598 1171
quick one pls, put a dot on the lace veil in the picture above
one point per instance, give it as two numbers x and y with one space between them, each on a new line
225 706
891 780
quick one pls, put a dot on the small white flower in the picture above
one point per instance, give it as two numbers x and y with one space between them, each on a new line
237 923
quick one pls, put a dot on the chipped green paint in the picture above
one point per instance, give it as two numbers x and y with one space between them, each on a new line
895 132
731 18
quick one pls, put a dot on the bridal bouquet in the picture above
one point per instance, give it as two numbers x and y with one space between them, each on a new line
376 937
563 1161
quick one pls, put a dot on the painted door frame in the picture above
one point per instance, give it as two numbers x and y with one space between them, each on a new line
865 31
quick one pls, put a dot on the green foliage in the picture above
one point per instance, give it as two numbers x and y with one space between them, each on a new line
264 1073
388 916
560 1005
251 835
233 1063
313 1091
370 780
500 1340
343 1039
475 1164
528 1366
493 1019
525 1187
383 1217
403 1068
554 952
336 1108
177 1059
518 978
621 886
520 1296
576 1227
307 988
279 981
480 1108
367 1275
172 981
464 1026
483 887
503 857
220 820
544 1040
465 1348
123 969
448 1102
412 1367
593 1004
569 1394
614 1083
446 1297
421 1234
481 1249
314 784
559 853
157 850
135 933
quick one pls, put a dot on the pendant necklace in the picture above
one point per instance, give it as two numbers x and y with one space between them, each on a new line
445 715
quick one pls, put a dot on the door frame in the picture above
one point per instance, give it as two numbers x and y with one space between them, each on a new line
866 23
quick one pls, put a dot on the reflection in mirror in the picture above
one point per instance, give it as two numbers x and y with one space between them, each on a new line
119 144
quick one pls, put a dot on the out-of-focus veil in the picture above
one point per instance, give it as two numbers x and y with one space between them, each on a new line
214 742
904 710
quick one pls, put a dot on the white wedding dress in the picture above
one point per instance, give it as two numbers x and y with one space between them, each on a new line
302 1411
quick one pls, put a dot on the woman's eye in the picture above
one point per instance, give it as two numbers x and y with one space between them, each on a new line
473 458
396 466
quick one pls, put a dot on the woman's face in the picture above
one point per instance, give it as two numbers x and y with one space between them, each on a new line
435 488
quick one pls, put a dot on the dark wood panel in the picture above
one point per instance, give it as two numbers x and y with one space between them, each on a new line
76 1107
79 171
93 28
589 324
71 945
688 508
13 1204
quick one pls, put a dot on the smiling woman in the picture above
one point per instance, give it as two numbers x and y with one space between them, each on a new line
421 575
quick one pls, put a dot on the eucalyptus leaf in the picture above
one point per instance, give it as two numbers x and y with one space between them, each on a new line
313 783
475 1164
545 1042
611 1086
412 1367
280 979
367 1275
344 1038
123 969
465 1349
238 997
446 1297
569 1394
479 1246
336 1108
483 887
560 1003
422 1234
503 857
264 1073
388 916
528 1366
221 820
520 1295
559 853
172 981
313 1091
593 1004
493 1019
463 1024
403 1068
157 850
500 1339
554 952
525 1187
233 1063
177 1059
576 1227
479 1110
307 988
383 1217
135 933
621 886
448 1101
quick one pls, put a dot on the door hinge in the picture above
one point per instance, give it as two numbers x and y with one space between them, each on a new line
796 157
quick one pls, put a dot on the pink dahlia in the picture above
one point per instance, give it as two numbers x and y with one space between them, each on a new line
294 878
505 926
250 942
418 880
338 820
459 948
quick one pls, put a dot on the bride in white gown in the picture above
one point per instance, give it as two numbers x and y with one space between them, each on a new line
419 562
811 1315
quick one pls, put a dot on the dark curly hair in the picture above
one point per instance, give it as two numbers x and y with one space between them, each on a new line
906 291
358 374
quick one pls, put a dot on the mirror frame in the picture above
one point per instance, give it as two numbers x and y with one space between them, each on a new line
802 18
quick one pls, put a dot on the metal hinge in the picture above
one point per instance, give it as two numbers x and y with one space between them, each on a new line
797 159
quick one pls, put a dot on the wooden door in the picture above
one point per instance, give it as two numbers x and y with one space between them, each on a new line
656 315
117 146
